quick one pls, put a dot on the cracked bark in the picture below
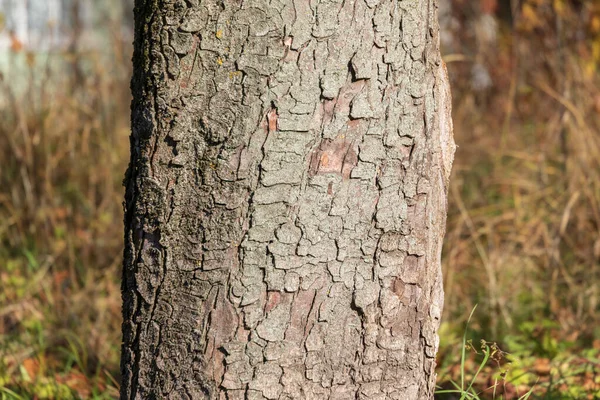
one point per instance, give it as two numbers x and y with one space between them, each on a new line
285 200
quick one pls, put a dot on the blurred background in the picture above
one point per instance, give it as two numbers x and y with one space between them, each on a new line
523 237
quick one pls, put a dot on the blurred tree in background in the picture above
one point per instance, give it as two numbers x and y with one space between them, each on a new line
523 237
51 24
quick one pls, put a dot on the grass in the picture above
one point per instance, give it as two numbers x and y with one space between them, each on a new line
523 228
489 352
523 237
64 151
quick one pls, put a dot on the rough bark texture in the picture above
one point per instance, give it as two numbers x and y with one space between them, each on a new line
286 200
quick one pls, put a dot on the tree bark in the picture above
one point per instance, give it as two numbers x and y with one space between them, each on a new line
285 201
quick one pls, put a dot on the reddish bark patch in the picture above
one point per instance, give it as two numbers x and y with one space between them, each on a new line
398 287
354 123
221 333
346 95
334 156
328 108
272 117
273 298
300 309
218 360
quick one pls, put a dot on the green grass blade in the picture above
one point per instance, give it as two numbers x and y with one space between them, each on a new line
464 351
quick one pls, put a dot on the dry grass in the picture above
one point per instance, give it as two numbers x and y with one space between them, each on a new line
64 149
523 234
523 237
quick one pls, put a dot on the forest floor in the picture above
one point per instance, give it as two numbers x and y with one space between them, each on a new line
522 246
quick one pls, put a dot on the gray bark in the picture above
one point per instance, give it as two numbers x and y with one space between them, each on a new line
286 200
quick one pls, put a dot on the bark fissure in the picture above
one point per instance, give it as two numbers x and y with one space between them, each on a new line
285 200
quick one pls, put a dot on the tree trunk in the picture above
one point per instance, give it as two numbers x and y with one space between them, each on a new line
286 200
